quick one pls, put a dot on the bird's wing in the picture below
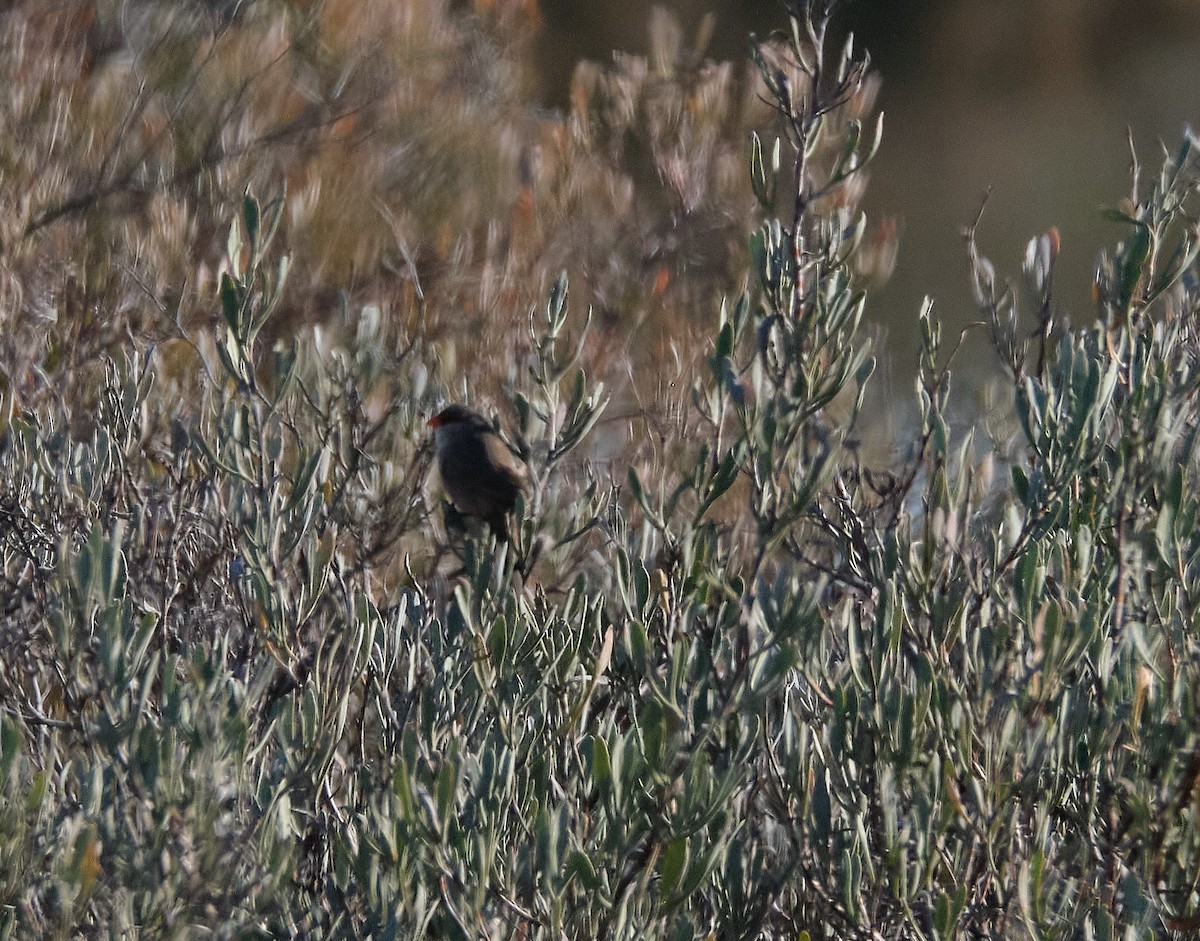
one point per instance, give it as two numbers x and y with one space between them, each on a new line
504 462
482 475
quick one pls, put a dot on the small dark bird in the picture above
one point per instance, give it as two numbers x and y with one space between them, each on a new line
481 475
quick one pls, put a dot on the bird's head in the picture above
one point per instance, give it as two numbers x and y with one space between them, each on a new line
453 415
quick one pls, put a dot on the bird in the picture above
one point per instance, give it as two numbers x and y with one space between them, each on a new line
480 474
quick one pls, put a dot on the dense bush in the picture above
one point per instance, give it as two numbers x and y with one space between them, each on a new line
257 684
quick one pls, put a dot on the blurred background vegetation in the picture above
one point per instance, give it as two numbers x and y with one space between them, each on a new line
374 121
1028 98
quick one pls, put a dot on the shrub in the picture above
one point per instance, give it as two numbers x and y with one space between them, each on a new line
755 687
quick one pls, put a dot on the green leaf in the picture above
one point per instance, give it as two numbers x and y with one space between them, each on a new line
674 862
251 215
447 790
556 305
641 585
821 814
722 480
653 728
851 882
601 764
763 179
724 349
579 865
231 303
639 493
1020 484
639 645
1137 250
699 871
547 844
759 252
37 792
943 920
11 744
